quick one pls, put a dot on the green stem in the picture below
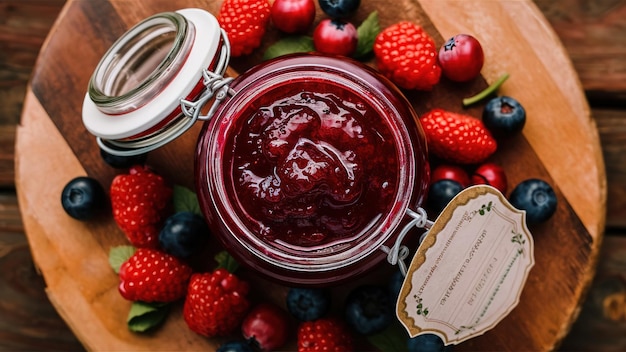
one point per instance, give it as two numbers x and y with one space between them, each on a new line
486 92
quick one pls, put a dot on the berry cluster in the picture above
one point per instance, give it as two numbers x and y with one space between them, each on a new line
462 145
368 310
406 55
295 19
157 269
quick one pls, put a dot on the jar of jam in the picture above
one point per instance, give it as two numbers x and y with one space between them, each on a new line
310 169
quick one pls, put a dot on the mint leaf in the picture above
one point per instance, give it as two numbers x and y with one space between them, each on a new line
289 45
118 255
226 261
394 338
145 316
185 200
367 32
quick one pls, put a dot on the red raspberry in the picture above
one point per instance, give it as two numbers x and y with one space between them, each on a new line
141 202
325 334
216 303
245 22
456 137
150 275
407 55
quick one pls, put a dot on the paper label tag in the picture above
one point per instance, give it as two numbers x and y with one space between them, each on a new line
469 271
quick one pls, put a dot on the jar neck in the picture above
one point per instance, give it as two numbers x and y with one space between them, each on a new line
141 63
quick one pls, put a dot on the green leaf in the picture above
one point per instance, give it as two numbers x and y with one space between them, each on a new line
289 45
118 255
145 316
367 32
394 338
226 261
185 200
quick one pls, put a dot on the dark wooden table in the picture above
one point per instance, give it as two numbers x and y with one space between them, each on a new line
594 33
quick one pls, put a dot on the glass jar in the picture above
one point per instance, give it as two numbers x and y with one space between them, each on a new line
148 86
310 168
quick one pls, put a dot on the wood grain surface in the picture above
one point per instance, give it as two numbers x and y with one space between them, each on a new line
607 114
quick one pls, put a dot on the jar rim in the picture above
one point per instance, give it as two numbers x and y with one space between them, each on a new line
183 34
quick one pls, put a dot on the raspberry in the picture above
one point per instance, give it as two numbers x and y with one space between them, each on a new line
245 22
150 275
456 137
407 55
216 303
140 201
326 334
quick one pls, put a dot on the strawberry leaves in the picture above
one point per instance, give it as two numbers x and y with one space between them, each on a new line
146 316
367 32
289 45
226 261
185 199
118 255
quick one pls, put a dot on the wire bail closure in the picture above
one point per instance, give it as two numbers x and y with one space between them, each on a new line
217 86
399 252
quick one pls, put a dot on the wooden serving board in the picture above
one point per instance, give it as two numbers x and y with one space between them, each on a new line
559 144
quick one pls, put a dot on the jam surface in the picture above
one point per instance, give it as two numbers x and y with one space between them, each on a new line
312 165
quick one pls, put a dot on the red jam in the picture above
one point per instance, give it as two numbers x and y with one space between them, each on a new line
309 168
312 168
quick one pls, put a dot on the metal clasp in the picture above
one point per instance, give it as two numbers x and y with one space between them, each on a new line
399 252
217 86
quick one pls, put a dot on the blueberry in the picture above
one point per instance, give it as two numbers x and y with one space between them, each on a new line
122 162
504 116
339 8
536 197
395 283
235 346
427 343
183 234
307 304
369 309
441 193
83 198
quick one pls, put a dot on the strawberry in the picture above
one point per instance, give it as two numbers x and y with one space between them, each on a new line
456 137
407 55
245 22
325 334
140 201
150 275
216 303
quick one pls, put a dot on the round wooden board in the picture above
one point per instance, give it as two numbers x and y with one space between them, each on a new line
559 144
